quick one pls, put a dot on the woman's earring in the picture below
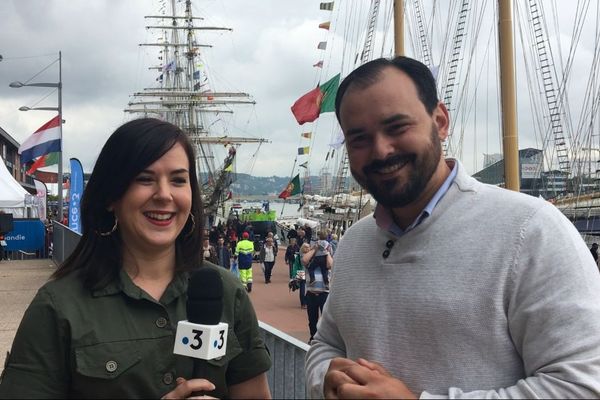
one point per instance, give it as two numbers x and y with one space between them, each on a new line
114 228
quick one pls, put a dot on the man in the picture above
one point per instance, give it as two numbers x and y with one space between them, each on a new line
223 253
505 306
244 252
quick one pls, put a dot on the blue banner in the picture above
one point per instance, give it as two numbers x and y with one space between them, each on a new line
27 235
75 194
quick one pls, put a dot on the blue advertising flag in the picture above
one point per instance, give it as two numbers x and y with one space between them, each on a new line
75 194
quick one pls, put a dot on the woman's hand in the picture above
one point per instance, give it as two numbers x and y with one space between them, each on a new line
186 388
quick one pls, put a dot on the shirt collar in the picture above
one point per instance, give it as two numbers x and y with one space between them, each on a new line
385 220
123 283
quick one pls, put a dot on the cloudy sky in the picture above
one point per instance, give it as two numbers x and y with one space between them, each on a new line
269 54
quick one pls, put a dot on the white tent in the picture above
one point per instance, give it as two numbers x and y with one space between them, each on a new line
14 199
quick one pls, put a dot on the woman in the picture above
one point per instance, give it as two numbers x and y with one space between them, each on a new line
104 326
268 255
316 291
298 274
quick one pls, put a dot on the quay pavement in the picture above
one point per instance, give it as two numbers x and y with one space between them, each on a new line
274 303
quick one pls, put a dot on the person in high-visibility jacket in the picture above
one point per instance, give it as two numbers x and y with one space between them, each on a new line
244 252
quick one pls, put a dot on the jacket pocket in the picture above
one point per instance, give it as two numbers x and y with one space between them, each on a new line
106 360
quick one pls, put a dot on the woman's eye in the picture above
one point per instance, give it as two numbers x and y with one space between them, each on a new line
180 181
144 179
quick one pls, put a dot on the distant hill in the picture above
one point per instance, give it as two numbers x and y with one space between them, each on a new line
248 185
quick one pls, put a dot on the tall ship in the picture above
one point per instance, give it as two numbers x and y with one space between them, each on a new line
468 45
183 94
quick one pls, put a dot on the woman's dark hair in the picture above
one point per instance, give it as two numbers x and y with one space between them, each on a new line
369 73
128 151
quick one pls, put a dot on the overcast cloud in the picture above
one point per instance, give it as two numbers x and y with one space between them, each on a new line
269 54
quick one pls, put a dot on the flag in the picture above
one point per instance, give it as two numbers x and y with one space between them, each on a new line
229 195
196 86
160 77
329 90
169 66
303 150
43 161
304 165
327 6
196 75
43 141
229 168
75 195
325 25
291 189
42 191
322 45
319 64
319 100
307 135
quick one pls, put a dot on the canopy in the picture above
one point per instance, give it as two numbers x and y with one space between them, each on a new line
12 194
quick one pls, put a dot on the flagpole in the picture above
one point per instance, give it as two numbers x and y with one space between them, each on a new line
60 153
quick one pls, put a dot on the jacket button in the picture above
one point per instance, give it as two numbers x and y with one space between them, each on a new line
111 366
167 378
161 322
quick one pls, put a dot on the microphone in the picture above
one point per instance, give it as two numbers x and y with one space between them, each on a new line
202 336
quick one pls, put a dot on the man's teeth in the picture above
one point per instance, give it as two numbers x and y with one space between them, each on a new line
160 217
392 168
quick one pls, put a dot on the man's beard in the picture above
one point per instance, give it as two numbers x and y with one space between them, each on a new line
394 194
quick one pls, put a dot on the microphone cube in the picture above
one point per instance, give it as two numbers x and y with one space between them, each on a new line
205 342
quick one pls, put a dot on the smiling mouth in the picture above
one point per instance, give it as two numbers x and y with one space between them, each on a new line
392 168
159 216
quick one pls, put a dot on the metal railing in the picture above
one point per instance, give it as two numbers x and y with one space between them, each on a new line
286 376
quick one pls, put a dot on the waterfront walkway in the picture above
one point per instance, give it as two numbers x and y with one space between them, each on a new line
20 280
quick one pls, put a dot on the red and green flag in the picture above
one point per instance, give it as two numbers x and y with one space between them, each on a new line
319 100
43 161
292 188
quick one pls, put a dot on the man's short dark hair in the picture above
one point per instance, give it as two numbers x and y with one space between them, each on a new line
369 73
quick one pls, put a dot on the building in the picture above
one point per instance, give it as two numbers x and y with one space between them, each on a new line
534 181
9 150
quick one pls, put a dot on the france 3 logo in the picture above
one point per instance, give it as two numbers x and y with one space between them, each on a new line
201 341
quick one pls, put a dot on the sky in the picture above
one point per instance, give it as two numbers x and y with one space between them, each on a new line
269 54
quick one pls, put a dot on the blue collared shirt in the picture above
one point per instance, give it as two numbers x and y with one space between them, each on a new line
385 220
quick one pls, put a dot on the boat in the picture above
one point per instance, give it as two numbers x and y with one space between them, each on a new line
184 94
457 40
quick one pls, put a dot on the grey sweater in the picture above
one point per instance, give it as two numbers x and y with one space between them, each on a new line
495 295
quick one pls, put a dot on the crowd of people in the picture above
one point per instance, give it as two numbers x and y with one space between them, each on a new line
451 289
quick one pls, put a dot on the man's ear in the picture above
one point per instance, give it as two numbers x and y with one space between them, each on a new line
442 120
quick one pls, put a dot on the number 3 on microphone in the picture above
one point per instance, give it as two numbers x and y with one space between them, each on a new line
221 339
197 339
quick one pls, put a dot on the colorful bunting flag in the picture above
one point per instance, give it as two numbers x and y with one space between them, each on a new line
304 165
325 25
196 75
319 100
169 66
319 64
303 150
322 45
307 135
327 6
291 189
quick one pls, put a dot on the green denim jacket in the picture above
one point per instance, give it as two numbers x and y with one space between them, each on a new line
117 342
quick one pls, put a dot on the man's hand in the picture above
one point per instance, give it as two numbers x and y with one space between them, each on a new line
336 376
367 379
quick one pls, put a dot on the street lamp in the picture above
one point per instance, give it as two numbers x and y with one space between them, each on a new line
58 85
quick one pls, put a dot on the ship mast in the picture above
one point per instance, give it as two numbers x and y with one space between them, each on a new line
185 99
508 97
